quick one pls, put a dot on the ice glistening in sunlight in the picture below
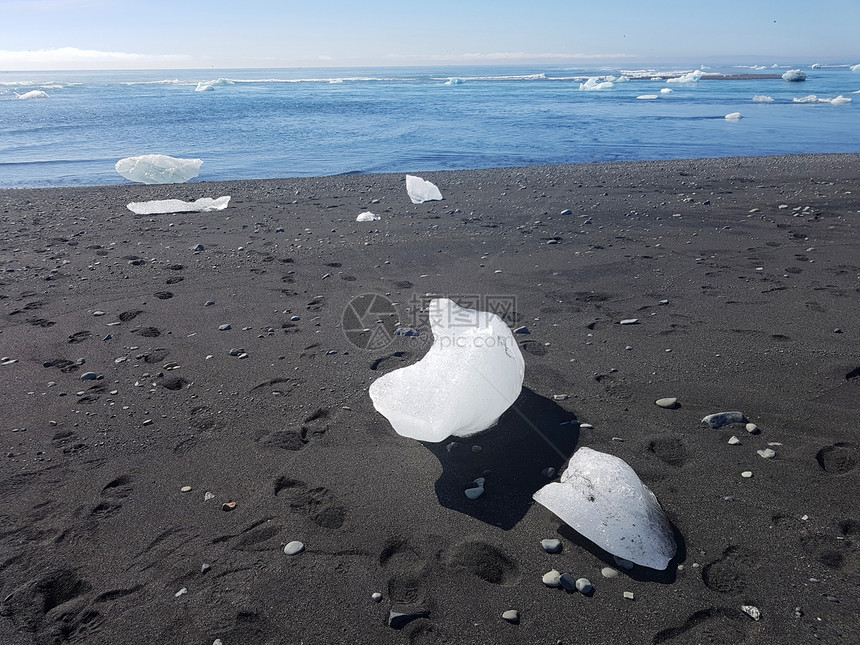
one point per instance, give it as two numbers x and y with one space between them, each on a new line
159 206
158 169
601 497
420 190
472 373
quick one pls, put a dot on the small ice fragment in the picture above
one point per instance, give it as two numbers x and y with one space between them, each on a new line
472 373
762 98
840 100
367 216
160 206
601 497
721 419
666 90
647 97
454 81
158 169
767 453
794 75
420 190
734 116
751 611
33 94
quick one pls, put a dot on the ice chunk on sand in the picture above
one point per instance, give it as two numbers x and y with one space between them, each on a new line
794 75
158 206
158 169
689 77
595 84
33 94
367 216
420 190
734 116
602 498
762 98
472 373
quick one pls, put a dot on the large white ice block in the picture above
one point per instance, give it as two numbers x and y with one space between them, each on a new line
794 75
420 190
601 497
159 206
472 373
158 169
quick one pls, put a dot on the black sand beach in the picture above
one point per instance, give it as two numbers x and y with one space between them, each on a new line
743 273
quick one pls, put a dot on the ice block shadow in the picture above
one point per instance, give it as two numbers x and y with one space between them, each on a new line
528 438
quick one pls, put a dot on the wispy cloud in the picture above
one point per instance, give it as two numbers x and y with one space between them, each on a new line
513 56
75 58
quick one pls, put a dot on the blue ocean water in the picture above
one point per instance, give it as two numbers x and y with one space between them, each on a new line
302 122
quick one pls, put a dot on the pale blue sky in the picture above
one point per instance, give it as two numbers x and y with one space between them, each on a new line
102 34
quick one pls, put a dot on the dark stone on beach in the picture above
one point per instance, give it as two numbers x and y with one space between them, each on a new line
568 582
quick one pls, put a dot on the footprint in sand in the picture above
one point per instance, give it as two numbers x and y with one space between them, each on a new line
126 316
721 625
837 459
312 428
164 295
148 332
79 337
318 504
669 449
484 561
174 280
728 573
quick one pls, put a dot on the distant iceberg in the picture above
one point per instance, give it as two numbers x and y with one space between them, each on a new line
762 98
794 75
689 77
33 94
158 169
595 84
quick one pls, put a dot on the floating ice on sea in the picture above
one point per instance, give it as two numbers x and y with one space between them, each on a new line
595 84
454 81
689 77
762 98
601 497
622 79
159 206
421 190
794 75
855 68
648 97
812 98
33 94
666 90
734 116
158 169
367 216
472 373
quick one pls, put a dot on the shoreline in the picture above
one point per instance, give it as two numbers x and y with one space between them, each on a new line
742 273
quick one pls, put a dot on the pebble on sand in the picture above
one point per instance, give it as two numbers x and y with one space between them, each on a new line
720 419
583 585
552 578
185 489
609 572
551 545
512 616
629 321
751 611
567 582
746 474
628 595
669 402
224 327
294 547
376 596
228 506
752 428
767 453
734 441
474 493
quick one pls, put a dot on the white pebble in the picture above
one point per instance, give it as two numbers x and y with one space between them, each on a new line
767 453
668 402
734 441
512 616
181 592
609 572
751 428
551 545
746 474
294 548
629 595
552 578
583 585
629 321
376 597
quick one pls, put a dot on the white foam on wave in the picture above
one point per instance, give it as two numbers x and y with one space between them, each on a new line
207 86
762 98
855 68
33 94
454 80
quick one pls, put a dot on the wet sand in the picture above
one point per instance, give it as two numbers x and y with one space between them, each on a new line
743 273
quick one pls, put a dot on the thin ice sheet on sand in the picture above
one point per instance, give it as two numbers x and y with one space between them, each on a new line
159 206
601 496
158 169
472 373
420 190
